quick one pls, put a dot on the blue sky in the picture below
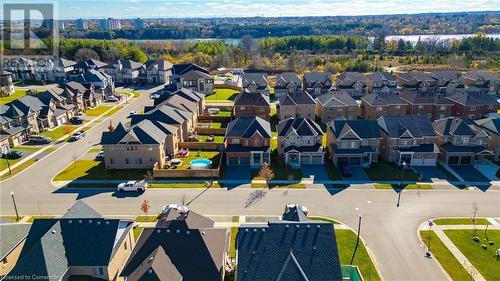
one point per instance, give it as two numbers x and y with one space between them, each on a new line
71 9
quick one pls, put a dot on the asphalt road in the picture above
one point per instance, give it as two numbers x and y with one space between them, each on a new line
389 231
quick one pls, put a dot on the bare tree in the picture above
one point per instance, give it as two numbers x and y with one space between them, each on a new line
475 208
85 54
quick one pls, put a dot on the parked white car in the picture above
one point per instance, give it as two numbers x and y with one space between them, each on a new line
133 112
178 207
154 96
137 186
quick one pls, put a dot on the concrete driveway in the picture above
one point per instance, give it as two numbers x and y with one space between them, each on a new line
469 173
430 173
488 169
318 171
238 173
358 174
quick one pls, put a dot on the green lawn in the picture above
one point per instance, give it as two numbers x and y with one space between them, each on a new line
183 185
320 218
346 241
384 171
18 93
94 170
484 260
137 232
95 150
27 148
232 245
4 165
18 169
408 186
274 140
222 95
281 171
452 266
32 218
212 155
99 110
217 139
59 132
147 218
461 221
224 113
332 171
215 125
113 111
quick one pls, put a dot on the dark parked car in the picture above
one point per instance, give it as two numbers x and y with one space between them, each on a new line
13 154
76 120
345 171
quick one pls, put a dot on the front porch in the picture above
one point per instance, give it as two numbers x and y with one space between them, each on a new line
297 156
422 155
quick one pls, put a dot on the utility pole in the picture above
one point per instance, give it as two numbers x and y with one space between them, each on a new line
357 239
15 206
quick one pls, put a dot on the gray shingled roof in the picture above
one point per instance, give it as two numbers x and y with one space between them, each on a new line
453 126
384 99
259 78
336 99
195 74
473 96
12 234
417 126
246 98
301 126
381 76
247 126
365 129
317 76
292 251
296 98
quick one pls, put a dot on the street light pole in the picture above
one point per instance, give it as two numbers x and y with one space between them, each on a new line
15 206
401 183
357 239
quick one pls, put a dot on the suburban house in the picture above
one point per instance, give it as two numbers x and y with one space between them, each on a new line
18 119
198 81
157 72
299 142
55 69
56 249
89 64
13 238
74 93
430 103
449 82
408 139
291 248
384 102
101 82
473 103
379 81
353 142
255 82
247 141
57 110
485 81
183 245
417 80
298 104
352 83
461 141
6 84
124 71
179 69
181 99
145 144
287 83
317 83
336 105
21 69
249 103
492 127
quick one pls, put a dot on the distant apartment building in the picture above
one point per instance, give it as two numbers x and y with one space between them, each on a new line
139 23
81 24
110 24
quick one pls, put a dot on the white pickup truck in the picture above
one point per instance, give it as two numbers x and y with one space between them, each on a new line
138 186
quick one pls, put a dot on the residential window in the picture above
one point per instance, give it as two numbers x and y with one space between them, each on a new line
472 108
353 144
379 108
490 106
443 108
100 270
126 161
4 261
398 106
125 245
420 107
111 161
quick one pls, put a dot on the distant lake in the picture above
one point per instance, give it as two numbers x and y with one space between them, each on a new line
412 38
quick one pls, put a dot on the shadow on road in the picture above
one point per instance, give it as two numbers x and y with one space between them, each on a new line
85 193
